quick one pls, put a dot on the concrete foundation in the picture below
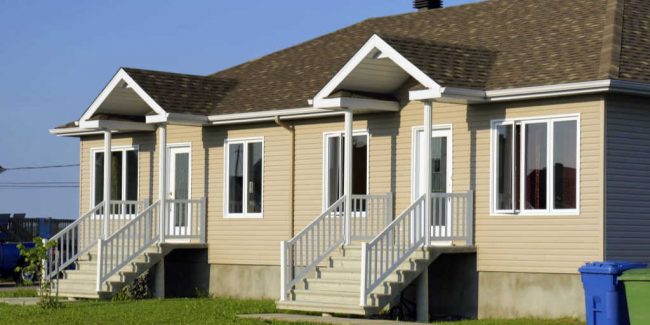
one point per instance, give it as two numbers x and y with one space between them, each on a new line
453 287
520 295
245 281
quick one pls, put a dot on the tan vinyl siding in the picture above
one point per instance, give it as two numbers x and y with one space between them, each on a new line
253 241
515 243
556 244
628 180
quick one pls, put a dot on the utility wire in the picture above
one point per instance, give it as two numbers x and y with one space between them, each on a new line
41 167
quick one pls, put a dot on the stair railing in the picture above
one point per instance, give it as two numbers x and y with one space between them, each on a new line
131 240
388 250
75 239
303 253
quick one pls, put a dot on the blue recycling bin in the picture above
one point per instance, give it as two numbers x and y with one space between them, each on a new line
604 294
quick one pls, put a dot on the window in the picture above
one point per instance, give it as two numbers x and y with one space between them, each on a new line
124 175
244 168
334 166
535 166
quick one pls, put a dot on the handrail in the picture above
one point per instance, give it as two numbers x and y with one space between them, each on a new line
389 249
75 239
301 254
128 242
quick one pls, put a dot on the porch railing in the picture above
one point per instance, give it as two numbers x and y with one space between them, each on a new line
185 219
452 217
311 246
75 239
370 215
128 242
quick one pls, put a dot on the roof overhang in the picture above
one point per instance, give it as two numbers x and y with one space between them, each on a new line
121 86
375 68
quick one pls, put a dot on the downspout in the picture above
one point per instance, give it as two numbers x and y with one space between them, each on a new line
291 129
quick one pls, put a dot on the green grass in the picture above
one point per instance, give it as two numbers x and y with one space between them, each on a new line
19 292
176 311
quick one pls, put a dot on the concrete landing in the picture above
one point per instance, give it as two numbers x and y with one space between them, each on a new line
295 318
22 301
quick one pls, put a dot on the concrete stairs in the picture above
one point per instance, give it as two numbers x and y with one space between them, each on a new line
334 288
82 281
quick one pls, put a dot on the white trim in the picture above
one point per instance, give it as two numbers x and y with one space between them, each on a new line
116 125
120 76
356 104
450 153
226 194
373 44
177 118
325 172
173 230
550 122
123 149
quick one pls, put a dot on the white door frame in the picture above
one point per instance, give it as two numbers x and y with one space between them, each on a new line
172 150
417 187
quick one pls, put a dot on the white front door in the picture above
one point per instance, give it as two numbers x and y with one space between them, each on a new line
179 191
441 165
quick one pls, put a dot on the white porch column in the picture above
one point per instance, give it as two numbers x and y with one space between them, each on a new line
427 167
347 173
107 181
162 179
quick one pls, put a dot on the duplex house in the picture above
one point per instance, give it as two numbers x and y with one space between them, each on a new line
464 161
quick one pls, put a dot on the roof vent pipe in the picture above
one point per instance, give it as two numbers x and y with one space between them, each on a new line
422 5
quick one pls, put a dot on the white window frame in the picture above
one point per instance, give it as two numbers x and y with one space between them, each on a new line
450 154
226 194
123 150
523 122
330 134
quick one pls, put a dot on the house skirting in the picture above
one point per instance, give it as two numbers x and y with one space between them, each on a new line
245 281
535 295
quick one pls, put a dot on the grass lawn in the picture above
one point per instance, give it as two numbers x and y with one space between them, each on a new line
19 292
172 311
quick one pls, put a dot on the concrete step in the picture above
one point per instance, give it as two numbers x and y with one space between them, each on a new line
322 307
348 286
337 297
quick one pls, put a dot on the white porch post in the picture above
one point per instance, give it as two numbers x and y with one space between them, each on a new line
162 179
347 173
107 181
427 167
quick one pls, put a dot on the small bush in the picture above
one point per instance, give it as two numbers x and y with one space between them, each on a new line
137 290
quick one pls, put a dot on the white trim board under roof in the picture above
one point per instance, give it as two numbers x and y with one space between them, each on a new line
122 81
375 68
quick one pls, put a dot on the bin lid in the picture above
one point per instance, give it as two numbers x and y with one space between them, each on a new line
610 267
636 275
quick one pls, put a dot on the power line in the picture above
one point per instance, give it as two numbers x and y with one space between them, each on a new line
38 167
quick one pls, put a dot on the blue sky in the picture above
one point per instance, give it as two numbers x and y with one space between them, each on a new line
56 56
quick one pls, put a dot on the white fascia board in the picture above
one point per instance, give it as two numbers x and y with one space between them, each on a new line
116 125
356 103
576 88
121 75
73 131
376 43
177 118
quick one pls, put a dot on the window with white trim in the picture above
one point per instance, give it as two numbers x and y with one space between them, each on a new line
523 151
124 175
244 174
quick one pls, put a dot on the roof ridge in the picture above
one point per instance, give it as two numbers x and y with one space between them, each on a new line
612 40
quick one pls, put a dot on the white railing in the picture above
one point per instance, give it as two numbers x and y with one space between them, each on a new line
370 215
75 239
384 254
185 220
311 246
81 235
131 240
452 218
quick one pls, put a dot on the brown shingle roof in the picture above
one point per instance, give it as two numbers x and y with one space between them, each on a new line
182 93
494 44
